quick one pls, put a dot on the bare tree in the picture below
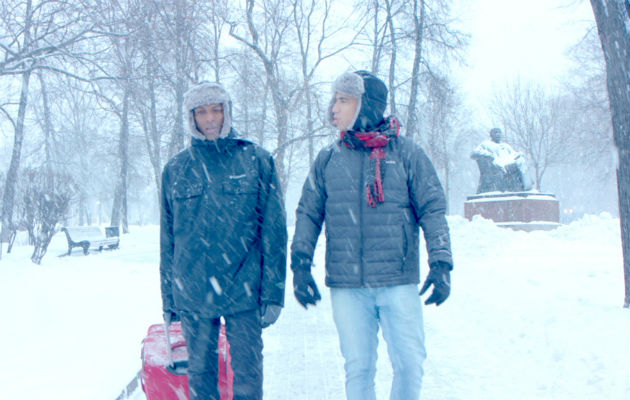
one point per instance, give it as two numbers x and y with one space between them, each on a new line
46 200
86 148
36 35
268 45
425 27
439 114
418 17
311 24
587 89
149 88
377 36
147 111
47 128
217 15
390 14
9 187
115 92
250 94
185 49
436 45
613 24
182 53
382 37
536 123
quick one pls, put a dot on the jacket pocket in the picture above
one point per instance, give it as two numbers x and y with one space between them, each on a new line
186 203
239 186
183 192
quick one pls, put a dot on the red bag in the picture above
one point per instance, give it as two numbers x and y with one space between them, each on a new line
161 381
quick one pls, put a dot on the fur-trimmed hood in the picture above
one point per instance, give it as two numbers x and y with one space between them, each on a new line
371 93
205 93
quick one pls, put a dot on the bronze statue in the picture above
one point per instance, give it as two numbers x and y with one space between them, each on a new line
501 168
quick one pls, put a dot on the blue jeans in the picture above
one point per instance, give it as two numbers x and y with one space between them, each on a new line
358 314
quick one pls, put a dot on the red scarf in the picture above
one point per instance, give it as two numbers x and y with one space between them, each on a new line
376 140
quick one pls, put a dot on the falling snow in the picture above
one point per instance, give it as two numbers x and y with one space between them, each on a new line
532 316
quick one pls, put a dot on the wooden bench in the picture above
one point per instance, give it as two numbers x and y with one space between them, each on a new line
91 237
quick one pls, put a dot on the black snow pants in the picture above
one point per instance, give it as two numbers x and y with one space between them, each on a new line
244 333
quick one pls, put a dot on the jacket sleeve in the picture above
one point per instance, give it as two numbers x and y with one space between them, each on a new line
273 235
310 214
166 245
429 206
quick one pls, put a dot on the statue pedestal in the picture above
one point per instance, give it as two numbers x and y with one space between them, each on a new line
517 210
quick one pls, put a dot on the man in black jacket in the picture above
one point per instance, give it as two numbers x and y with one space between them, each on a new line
223 245
373 189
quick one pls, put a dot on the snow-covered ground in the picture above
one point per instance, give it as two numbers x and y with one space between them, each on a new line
531 316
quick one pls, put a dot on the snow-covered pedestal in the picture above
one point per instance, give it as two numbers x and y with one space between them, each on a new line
517 210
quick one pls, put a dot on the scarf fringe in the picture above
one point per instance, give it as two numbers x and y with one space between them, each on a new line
376 141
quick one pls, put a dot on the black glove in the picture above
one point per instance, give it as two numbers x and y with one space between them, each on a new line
440 277
170 316
269 314
304 287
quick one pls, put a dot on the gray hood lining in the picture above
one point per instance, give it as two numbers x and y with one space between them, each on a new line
205 93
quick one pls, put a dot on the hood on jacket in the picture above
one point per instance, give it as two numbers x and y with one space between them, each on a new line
371 93
205 93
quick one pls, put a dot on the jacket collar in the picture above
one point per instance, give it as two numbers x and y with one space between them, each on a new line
221 144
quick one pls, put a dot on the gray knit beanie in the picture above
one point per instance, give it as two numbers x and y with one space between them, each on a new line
205 93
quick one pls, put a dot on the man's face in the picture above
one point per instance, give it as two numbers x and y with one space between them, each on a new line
209 120
496 136
344 110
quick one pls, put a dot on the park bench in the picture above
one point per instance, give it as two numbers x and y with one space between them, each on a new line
91 237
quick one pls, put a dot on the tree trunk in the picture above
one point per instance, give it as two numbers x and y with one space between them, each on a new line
447 183
412 114
6 224
124 155
84 214
281 111
263 117
48 133
613 24
151 131
14 166
377 49
115 220
41 247
119 208
280 105
309 107
309 121
177 141
392 61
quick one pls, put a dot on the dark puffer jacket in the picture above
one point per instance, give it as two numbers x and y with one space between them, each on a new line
223 229
371 246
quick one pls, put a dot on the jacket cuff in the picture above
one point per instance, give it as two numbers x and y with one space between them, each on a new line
300 262
441 266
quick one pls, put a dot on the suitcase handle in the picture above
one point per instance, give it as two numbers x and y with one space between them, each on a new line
178 344
178 367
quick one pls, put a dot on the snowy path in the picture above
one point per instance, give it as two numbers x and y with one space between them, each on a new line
532 316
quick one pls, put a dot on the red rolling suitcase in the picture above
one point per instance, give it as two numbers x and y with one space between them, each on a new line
162 380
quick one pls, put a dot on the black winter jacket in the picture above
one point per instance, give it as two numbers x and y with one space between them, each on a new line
366 246
223 229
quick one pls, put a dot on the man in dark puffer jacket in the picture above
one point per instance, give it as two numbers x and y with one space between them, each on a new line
373 189
223 245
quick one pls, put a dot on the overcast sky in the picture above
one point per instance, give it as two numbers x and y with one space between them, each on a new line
510 39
